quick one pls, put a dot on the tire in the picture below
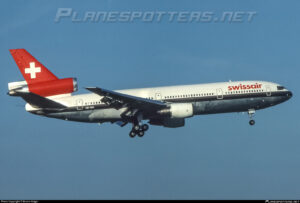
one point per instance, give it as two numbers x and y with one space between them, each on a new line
251 122
141 133
136 127
132 134
145 127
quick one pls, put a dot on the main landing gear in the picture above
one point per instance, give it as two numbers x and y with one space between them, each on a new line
251 113
138 130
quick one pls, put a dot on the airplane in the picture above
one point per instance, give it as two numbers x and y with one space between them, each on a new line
47 95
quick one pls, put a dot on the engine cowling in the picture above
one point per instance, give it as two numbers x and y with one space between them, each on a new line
168 122
47 88
178 110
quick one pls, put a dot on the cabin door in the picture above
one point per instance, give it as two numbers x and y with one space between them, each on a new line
158 96
219 93
79 104
268 91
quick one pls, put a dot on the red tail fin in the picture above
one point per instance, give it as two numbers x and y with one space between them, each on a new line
32 70
39 79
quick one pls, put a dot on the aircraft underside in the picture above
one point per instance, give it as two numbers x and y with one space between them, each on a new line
102 115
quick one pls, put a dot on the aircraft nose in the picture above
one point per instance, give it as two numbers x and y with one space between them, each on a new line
289 94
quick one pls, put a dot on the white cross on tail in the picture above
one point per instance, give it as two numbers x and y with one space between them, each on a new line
32 70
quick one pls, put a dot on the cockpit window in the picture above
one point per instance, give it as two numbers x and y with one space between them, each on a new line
280 87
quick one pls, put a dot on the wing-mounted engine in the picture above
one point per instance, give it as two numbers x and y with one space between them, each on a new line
173 116
47 88
177 110
168 122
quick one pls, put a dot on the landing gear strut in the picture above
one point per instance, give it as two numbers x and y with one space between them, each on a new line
138 130
137 127
251 113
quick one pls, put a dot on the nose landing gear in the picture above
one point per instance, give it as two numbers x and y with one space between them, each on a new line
252 122
138 130
251 113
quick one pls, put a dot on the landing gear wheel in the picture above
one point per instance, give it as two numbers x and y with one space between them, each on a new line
251 122
132 134
136 127
145 127
141 133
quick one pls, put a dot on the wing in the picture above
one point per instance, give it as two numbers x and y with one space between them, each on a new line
118 100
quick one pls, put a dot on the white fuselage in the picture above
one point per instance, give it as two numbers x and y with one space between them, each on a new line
208 98
170 92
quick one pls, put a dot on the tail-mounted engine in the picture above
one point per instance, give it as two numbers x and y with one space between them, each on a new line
47 88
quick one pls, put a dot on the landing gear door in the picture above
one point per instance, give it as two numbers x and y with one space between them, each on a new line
158 96
79 104
268 91
219 93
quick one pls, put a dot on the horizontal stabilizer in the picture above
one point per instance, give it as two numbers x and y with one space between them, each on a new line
40 102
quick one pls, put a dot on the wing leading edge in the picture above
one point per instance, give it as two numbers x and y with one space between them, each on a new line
117 100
